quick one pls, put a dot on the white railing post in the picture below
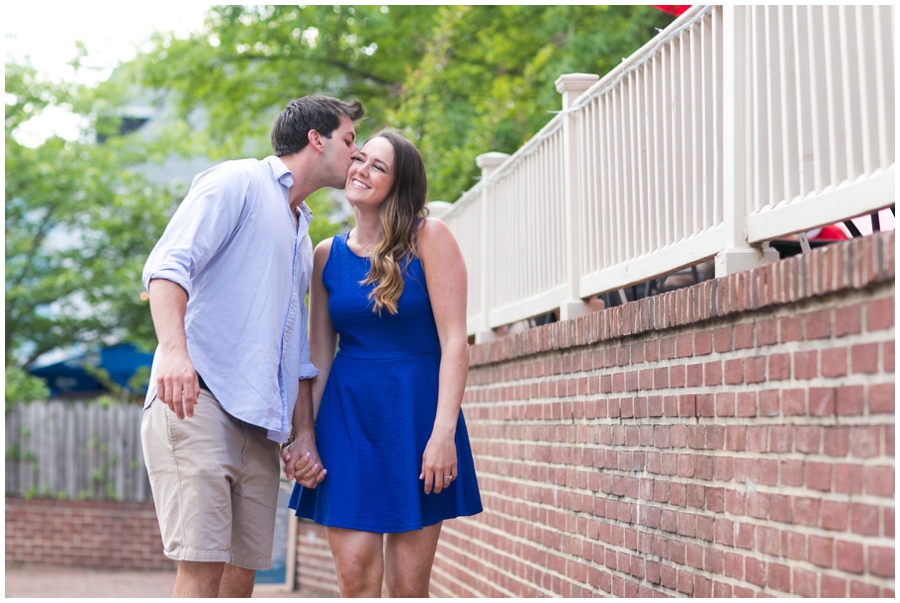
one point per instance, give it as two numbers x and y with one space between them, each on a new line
488 162
738 254
571 86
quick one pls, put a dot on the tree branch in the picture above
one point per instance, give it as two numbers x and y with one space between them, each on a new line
329 62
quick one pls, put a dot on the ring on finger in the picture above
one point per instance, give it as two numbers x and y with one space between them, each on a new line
450 477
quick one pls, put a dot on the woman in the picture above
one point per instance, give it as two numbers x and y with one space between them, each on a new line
389 429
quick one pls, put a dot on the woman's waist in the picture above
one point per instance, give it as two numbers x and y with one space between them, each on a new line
370 354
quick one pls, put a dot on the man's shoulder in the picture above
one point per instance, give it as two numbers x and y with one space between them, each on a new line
235 171
248 167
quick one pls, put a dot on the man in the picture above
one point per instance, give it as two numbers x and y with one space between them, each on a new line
230 378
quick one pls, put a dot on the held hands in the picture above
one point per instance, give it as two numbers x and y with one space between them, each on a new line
176 384
302 462
439 464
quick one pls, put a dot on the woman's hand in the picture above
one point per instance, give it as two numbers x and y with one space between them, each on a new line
439 463
302 462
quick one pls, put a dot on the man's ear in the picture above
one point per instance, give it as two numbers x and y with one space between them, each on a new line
316 140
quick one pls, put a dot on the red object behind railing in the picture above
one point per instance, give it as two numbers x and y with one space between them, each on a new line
671 8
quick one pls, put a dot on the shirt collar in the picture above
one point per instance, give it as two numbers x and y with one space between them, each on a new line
283 175
279 170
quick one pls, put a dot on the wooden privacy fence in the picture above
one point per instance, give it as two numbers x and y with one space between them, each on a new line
735 126
76 450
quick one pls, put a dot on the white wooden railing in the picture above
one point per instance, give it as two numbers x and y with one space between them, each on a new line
734 126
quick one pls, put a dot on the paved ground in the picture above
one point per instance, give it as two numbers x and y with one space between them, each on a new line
72 582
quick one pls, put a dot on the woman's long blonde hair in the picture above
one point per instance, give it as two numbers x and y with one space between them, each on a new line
400 213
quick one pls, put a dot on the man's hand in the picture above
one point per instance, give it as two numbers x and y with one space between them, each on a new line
302 462
177 384
176 379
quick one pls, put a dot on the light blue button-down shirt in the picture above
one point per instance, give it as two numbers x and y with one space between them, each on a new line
233 247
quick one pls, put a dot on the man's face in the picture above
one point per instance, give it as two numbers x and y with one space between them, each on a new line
340 151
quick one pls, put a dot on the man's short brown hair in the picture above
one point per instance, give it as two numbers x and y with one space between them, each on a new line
313 112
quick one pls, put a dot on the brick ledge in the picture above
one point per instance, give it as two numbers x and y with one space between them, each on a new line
849 265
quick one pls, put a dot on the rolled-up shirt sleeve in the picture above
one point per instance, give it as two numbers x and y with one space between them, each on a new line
201 225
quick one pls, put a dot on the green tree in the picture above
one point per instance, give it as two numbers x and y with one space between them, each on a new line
79 225
485 80
249 62
459 80
22 387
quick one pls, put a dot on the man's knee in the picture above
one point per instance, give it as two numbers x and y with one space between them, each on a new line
237 582
198 579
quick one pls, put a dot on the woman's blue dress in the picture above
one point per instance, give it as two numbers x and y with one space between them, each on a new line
378 410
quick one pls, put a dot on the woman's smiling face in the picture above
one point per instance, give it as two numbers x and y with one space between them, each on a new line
371 173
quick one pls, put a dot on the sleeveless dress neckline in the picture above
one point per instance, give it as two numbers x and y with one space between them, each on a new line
378 409
347 244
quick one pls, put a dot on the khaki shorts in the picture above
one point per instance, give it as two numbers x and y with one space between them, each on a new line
215 484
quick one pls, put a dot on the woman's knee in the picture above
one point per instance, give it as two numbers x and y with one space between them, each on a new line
358 577
401 585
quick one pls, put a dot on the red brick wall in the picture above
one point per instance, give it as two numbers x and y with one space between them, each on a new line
111 535
315 565
733 438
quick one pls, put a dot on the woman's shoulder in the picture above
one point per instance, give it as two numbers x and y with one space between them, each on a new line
323 250
435 240
431 230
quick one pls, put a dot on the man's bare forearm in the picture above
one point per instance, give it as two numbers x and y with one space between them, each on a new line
301 457
176 379
168 303
302 421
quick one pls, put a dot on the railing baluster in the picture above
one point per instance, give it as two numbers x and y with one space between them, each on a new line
776 153
852 127
837 142
884 83
718 132
634 176
704 168
607 197
866 65
696 131
666 125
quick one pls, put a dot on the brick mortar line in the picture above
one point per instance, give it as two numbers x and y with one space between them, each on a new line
443 592
871 420
483 562
795 491
724 548
691 328
479 577
793 383
748 454
787 348
805 530
685 362
665 506
567 557
675 420
881 459
882 541
700 388
449 578
500 552
723 577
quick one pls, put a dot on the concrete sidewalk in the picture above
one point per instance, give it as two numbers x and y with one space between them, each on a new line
75 583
